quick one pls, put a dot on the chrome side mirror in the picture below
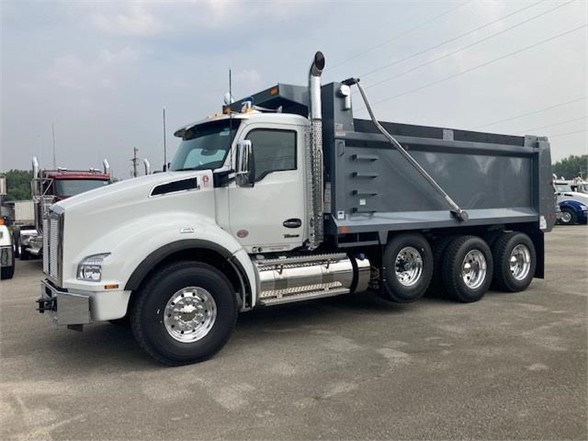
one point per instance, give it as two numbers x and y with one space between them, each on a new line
244 164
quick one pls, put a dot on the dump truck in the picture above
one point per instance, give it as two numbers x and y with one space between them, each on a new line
286 196
48 187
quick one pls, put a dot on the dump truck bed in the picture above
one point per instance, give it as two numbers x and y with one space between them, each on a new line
497 179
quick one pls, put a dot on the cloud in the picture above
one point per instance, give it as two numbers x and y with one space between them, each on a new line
72 72
135 21
248 79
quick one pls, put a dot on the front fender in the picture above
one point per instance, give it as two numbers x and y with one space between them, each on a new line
135 248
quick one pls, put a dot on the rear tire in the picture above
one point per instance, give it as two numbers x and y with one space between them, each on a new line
407 268
515 261
184 314
467 269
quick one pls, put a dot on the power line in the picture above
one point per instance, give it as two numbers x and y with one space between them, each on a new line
402 34
554 125
457 37
530 113
471 44
568 133
416 89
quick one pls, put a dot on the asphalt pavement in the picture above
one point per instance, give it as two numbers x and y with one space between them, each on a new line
512 366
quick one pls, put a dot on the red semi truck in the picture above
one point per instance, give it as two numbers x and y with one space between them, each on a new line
48 187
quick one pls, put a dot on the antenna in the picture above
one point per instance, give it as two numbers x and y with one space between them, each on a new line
53 132
164 144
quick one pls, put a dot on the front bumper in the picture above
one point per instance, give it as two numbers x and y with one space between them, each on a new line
63 307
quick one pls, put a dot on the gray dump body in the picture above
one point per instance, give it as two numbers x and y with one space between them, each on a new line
371 189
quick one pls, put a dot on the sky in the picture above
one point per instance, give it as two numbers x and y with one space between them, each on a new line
99 74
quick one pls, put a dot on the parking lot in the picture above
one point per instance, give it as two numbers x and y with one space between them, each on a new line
512 366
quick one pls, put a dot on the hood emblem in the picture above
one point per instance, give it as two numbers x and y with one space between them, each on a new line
186 230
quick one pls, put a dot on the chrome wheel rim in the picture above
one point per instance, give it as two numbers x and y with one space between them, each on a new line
408 266
189 314
474 269
566 217
520 262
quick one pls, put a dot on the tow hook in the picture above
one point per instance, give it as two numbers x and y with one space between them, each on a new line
47 305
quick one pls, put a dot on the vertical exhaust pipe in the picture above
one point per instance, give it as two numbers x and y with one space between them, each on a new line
35 187
147 166
315 163
106 167
35 167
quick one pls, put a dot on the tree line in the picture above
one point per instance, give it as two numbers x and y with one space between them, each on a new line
18 185
18 182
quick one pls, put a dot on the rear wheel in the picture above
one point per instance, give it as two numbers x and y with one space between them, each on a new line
184 314
515 261
467 268
407 268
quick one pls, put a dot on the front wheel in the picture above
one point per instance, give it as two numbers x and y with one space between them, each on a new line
568 217
184 314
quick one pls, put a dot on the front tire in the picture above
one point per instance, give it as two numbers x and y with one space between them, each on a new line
184 314
408 268
467 269
515 261
7 272
568 217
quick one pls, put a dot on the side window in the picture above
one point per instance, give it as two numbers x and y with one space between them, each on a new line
273 150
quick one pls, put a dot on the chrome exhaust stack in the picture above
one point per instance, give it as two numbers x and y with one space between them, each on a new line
35 188
315 162
147 166
106 167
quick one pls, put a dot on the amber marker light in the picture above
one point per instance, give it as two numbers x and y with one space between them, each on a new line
274 91
343 230
115 286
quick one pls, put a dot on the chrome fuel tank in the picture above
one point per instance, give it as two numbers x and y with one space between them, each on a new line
290 279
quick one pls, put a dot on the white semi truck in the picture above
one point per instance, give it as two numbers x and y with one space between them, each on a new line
286 197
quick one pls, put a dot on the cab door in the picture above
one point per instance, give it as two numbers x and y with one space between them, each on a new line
270 216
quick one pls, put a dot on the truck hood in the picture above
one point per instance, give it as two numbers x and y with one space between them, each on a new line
572 195
113 218
126 193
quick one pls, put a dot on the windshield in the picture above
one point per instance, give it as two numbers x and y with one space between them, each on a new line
205 146
562 187
71 187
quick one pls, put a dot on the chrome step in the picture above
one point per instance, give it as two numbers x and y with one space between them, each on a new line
270 301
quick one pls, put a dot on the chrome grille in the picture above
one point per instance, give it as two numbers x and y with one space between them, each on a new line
46 246
52 246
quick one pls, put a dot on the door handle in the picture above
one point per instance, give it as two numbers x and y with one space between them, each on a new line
292 223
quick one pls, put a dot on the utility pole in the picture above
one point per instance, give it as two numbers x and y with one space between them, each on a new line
135 159
164 144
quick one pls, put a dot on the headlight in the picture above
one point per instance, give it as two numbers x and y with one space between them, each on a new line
90 268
